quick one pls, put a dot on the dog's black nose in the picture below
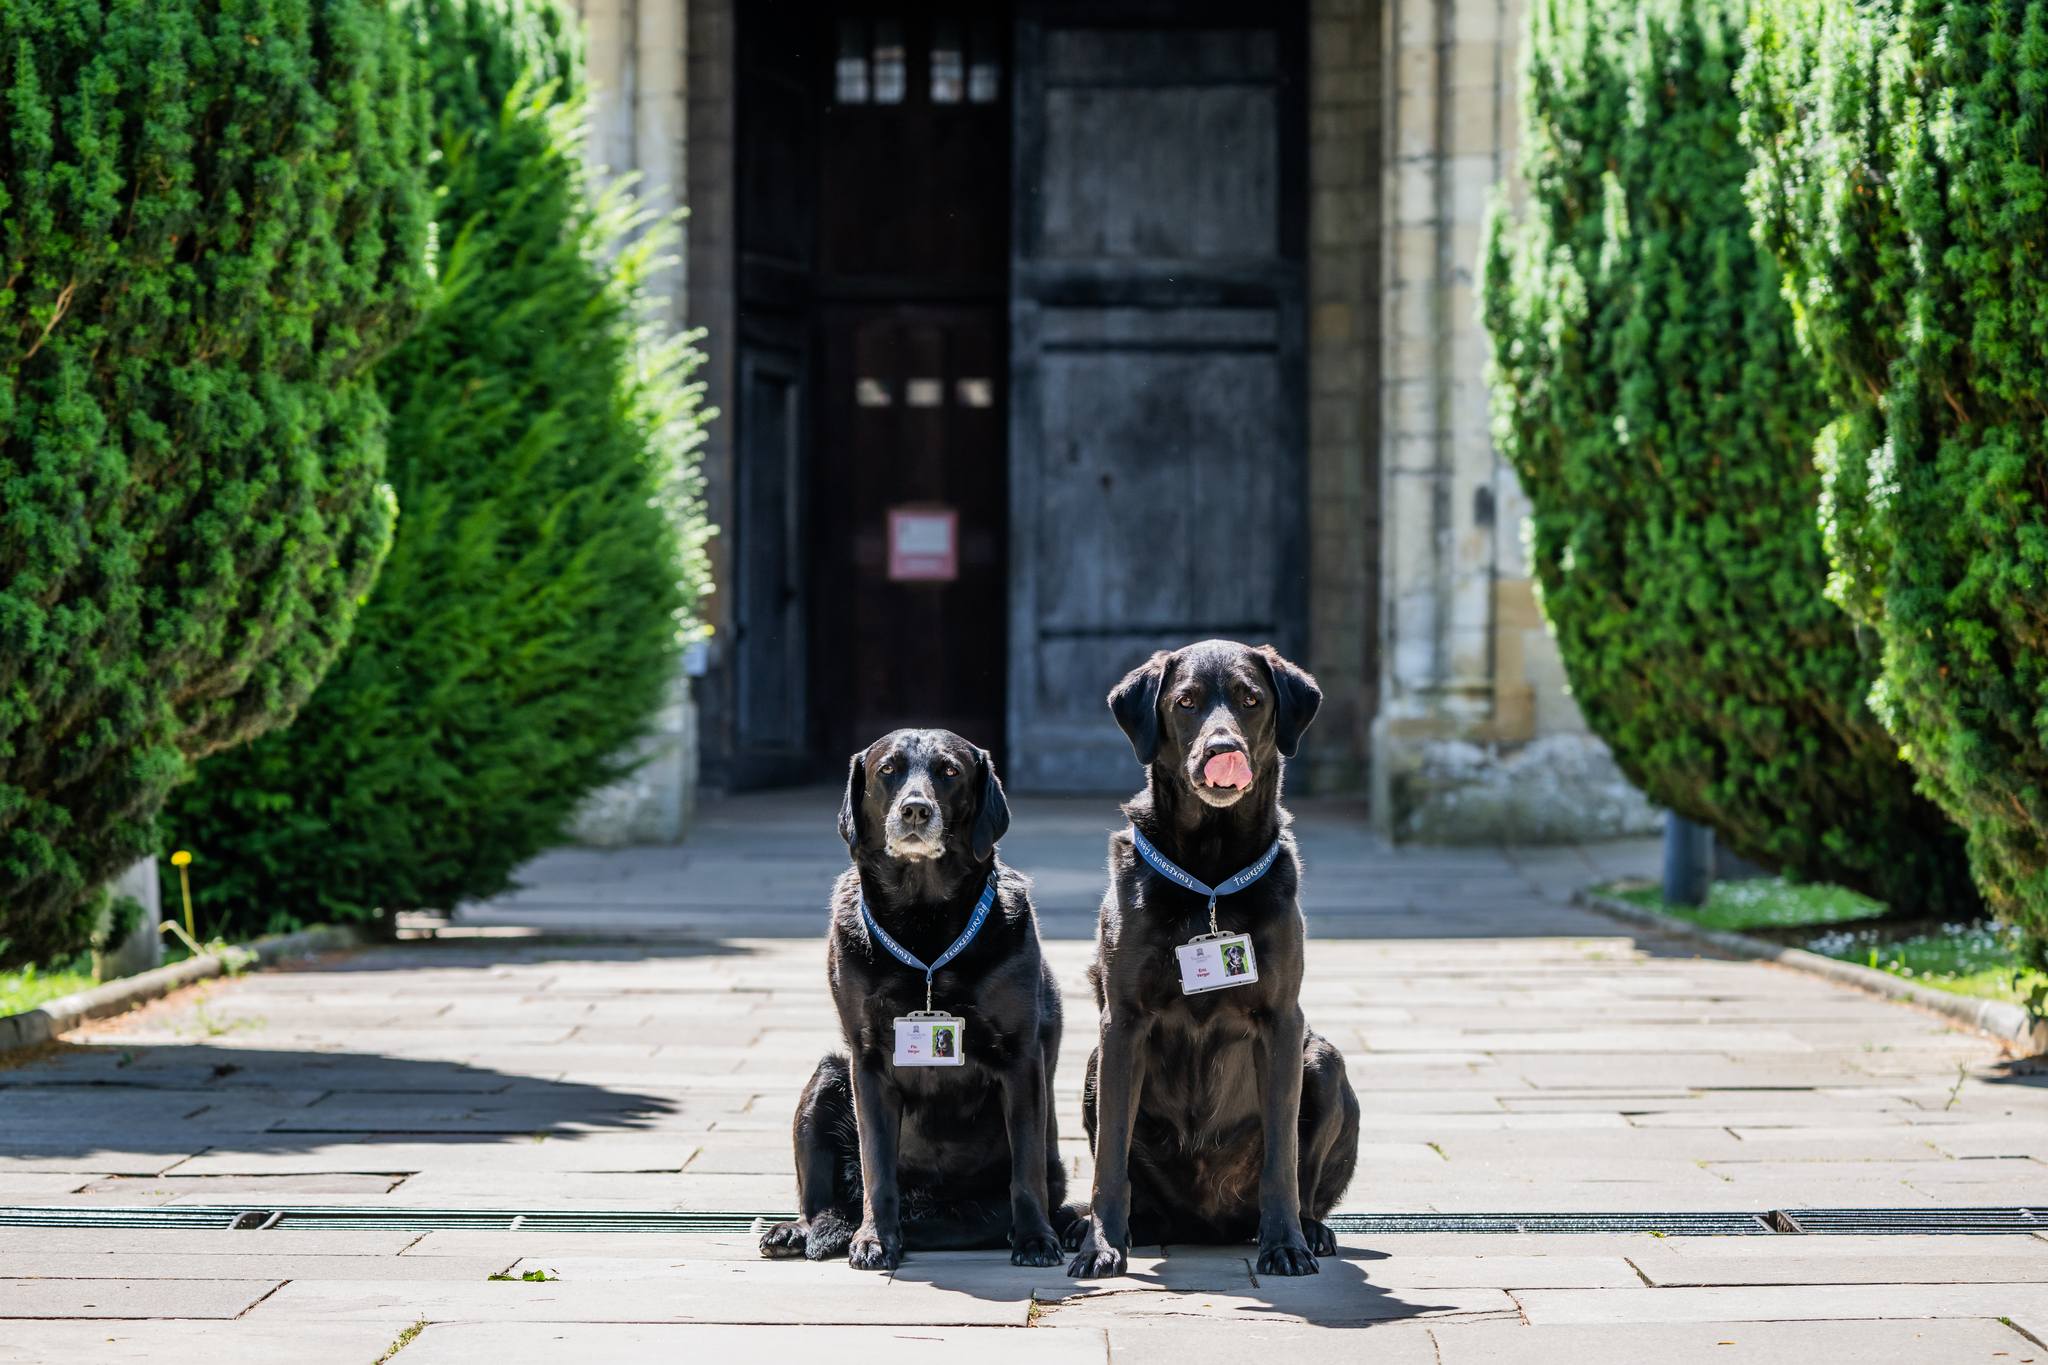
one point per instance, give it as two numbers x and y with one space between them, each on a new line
1222 744
915 811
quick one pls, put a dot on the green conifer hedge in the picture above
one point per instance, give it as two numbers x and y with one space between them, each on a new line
212 220
1902 153
1649 392
549 548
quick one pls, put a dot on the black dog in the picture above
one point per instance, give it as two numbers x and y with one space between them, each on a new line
1216 1116
940 1157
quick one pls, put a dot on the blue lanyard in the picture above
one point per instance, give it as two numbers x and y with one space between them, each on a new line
1173 872
912 960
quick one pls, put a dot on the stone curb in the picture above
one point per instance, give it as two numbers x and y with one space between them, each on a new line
2008 1023
67 1012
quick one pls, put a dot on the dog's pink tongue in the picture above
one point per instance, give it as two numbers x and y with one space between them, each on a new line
1227 769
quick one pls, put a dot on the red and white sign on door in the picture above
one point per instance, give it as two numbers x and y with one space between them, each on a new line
924 544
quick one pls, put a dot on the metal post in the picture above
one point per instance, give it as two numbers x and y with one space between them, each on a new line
1688 860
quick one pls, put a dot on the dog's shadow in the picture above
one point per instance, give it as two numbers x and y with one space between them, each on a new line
1211 1281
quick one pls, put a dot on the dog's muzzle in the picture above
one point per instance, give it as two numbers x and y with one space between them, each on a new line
1220 771
915 829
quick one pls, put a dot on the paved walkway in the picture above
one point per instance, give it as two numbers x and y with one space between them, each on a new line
1513 1053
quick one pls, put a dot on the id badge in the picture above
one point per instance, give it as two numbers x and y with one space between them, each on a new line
1214 962
930 1038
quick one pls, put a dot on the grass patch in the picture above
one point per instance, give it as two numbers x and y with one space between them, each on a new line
1969 959
1761 903
1977 959
31 986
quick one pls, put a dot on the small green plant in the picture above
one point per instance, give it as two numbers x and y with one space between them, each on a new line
404 1339
530 1277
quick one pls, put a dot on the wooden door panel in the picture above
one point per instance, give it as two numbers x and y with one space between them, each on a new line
1158 381
1219 203
915 403
1165 470
769 570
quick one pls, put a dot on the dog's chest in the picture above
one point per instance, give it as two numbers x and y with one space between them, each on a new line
1203 1070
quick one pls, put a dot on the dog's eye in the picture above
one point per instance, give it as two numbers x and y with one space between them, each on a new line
888 767
1185 701
1251 699
950 771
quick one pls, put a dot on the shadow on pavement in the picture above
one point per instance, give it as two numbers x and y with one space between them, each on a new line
1340 1295
138 1108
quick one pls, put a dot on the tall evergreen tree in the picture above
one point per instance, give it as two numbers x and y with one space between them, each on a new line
212 220
527 622
1649 392
1902 153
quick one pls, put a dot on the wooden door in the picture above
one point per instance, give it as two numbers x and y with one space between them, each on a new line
916 427
768 539
1157 419
913 263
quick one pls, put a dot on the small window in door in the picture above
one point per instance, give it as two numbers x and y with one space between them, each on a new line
949 63
976 393
871 393
891 67
925 393
985 68
850 72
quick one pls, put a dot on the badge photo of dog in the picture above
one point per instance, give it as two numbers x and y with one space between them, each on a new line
893 1157
1214 1117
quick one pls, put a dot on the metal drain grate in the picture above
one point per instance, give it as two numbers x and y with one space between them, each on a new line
361 1217
1943 1222
1667 1224
105 1216
364 1217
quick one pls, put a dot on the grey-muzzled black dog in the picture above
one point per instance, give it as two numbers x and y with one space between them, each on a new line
892 1157
1214 1117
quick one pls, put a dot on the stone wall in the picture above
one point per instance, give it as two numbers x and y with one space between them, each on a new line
1442 683
1344 98
642 66
1470 680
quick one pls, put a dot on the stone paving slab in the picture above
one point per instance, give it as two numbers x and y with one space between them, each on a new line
1974 1341
131 1298
177 1264
645 1344
166 1242
722 1292
1512 1052
1929 1260
1784 1303
216 1343
1276 1341
673 1248
1339 1296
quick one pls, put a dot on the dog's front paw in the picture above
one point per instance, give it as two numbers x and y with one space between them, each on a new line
786 1240
1037 1248
1286 1259
1321 1240
830 1236
1097 1262
870 1251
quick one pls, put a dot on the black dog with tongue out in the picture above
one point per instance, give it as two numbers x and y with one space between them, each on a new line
936 1132
1214 1114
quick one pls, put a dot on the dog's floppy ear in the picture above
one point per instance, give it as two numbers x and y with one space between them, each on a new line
852 806
1135 704
992 821
1295 699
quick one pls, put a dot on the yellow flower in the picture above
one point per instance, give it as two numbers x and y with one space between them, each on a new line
180 858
